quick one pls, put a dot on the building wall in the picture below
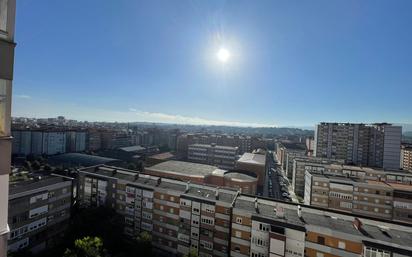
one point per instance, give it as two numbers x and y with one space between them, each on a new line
7 21
258 170
369 145
406 157
39 215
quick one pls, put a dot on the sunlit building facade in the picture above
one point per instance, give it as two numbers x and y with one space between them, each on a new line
7 15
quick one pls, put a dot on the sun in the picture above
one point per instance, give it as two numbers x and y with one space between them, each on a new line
223 55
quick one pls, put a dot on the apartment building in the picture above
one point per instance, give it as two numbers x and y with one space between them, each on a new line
244 143
286 151
364 197
406 157
290 156
221 222
179 215
223 157
365 173
298 170
376 145
39 211
402 202
7 21
263 228
75 141
40 142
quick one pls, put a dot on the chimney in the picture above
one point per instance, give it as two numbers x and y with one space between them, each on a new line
217 193
357 223
299 211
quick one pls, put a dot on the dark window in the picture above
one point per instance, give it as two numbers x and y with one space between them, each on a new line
377 192
321 240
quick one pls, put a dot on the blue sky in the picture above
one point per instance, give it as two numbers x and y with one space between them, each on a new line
292 62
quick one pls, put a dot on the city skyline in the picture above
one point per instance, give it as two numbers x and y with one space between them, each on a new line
287 67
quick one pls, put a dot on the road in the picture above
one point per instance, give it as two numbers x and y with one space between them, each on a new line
272 187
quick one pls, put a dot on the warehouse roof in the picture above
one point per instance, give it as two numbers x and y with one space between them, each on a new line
258 159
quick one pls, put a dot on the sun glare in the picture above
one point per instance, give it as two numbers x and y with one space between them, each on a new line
223 55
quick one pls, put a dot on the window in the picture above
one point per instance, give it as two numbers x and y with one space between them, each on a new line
341 245
161 207
162 196
238 220
373 252
238 234
172 199
321 240
172 211
319 254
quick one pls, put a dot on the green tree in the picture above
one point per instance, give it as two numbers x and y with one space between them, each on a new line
144 241
87 247
27 165
131 166
192 253
36 165
47 167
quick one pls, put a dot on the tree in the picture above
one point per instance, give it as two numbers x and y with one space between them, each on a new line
87 247
36 165
47 167
27 165
192 253
131 166
144 241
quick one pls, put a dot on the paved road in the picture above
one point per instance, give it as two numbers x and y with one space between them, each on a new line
271 188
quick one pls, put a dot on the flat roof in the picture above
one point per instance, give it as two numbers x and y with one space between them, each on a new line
133 148
82 159
325 219
215 146
162 156
28 181
251 158
195 190
187 168
240 176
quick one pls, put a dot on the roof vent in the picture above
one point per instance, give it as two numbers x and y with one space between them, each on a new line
280 211
187 186
217 193
299 211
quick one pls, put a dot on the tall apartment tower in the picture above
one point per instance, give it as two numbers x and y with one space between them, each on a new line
375 145
7 14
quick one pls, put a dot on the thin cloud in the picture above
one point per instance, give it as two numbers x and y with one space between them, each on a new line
180 119
23 96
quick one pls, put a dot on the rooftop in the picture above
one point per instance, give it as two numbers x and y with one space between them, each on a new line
134 148
196 190
162 156
326 219
81 159
25 181
240 176
258 159
215 146
186 168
